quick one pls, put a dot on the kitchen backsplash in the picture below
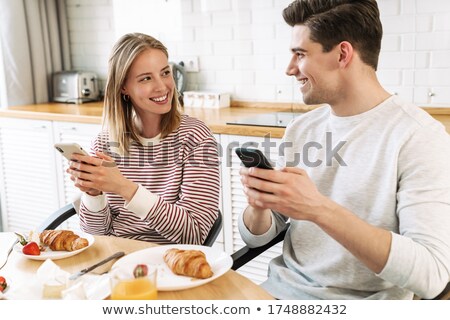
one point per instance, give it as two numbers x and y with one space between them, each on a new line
242 46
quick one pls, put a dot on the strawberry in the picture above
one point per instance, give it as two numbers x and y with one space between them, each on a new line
141 270
32 249
3 284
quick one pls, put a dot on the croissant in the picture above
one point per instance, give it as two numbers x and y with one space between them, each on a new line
60 240
190 263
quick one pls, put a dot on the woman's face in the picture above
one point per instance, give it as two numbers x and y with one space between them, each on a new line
150 84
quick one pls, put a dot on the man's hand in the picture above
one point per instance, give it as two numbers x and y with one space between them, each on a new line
289 191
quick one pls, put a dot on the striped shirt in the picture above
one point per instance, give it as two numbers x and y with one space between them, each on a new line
178 194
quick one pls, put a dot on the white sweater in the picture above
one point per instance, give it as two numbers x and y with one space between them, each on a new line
394 173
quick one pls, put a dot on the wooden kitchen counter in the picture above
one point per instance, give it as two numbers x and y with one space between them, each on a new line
216 119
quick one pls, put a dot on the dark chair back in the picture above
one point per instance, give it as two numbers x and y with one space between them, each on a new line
58 217
246 254
215 230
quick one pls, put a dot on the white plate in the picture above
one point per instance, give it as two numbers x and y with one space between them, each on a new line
55 255
219 261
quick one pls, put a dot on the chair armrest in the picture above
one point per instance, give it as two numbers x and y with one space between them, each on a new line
215 230
58 217
246 254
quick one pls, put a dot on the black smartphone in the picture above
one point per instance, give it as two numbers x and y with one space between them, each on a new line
253 158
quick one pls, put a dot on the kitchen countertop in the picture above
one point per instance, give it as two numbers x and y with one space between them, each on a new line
216 119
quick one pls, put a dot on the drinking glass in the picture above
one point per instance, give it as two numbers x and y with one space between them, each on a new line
125 286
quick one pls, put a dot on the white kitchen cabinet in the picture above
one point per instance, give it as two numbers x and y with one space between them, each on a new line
29 183
234 201
34 181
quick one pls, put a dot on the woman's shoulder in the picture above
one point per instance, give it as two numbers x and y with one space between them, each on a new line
193 126
101 140
102 136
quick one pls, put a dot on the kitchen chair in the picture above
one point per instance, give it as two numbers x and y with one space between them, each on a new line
246 254
64 213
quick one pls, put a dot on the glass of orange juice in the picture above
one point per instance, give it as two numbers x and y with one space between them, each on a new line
129 285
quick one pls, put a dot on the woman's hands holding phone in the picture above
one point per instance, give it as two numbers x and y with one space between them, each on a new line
98 174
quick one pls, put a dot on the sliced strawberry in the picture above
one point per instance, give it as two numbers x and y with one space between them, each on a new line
31 249
3 284
141 270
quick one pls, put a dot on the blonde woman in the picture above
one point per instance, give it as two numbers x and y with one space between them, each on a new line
155 173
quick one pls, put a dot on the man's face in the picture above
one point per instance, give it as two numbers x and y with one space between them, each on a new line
315 70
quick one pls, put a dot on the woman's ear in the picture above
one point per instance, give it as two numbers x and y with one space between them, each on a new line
346 53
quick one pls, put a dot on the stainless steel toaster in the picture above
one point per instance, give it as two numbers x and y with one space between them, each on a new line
75 87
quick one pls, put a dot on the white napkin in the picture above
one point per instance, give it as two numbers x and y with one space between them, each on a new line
50 273
89 286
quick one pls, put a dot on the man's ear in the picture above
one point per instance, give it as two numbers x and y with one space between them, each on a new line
346 52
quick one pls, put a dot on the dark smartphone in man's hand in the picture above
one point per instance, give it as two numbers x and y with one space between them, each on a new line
253 158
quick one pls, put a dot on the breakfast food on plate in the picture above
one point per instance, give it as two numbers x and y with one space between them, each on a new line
21 239
3 284
141 270
190 263
60 240
31 249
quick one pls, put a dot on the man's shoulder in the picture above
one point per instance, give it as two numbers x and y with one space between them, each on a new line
414 117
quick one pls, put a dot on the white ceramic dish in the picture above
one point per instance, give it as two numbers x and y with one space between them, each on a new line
219 261
55 255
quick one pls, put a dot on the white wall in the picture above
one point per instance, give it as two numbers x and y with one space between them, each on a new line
242 45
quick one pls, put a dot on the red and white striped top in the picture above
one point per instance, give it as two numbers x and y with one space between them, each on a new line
178 195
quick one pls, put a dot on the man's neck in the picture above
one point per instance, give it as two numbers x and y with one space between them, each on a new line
360 98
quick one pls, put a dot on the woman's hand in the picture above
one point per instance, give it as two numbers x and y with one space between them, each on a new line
100 174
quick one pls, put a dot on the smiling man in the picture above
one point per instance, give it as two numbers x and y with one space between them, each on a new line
376 228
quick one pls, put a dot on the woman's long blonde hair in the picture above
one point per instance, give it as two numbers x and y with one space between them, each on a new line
118 114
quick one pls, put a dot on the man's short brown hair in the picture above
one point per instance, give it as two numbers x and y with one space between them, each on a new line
333 21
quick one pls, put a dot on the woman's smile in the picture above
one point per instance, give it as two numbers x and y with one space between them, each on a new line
161 100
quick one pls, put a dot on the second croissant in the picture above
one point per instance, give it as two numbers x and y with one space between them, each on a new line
191 263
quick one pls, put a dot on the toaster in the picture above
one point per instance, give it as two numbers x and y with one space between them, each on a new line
75 87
